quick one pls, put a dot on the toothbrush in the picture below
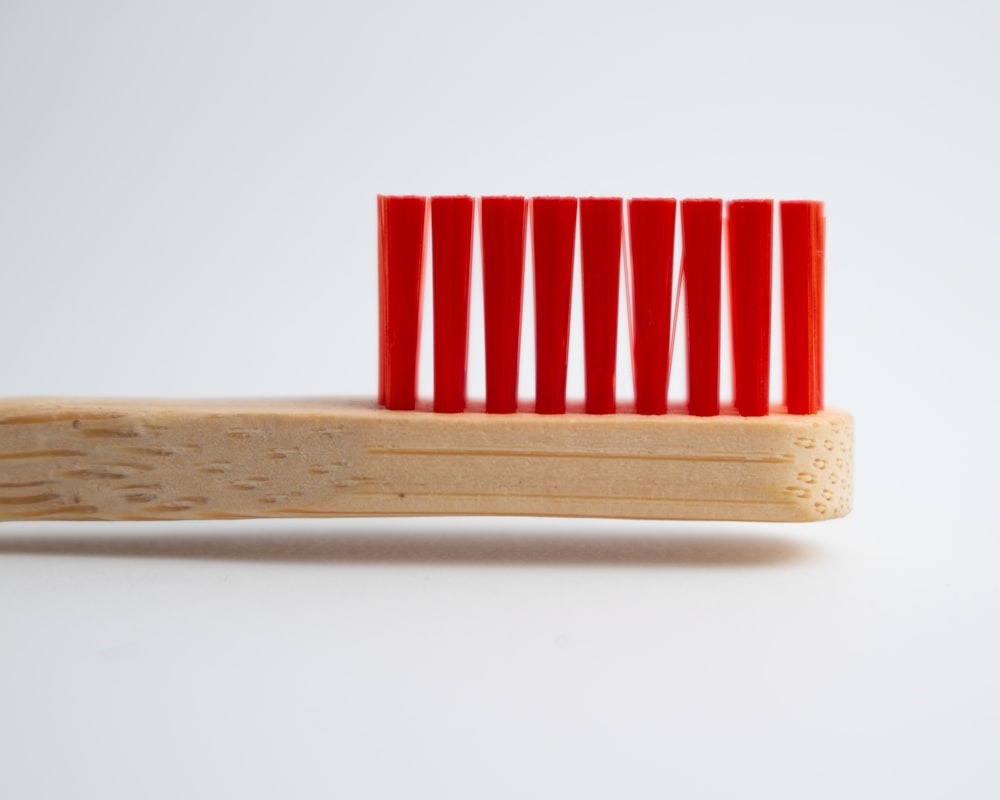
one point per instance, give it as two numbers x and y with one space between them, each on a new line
97 459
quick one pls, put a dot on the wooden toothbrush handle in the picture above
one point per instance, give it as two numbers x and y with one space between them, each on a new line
134 460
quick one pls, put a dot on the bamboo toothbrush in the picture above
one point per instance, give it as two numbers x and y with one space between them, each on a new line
96 459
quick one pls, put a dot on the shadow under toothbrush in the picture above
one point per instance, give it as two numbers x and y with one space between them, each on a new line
518 547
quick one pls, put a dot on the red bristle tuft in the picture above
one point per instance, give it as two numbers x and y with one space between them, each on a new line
451 242
749 228
803 231
651 238
553 238
401 227
701 266
819 262
503 225
600 255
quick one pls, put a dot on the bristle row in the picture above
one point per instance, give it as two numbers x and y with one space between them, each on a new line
606 224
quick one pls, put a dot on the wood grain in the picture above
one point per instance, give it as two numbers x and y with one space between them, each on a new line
156 460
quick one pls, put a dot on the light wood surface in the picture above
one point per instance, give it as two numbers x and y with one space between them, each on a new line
156 460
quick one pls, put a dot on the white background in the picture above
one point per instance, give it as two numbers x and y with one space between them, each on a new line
187 207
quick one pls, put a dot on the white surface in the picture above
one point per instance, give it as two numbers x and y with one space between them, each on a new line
187 198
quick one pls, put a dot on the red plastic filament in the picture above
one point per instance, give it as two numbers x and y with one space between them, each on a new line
601 255
803 231
401 226
651 237
701 263
749 226
503 224
553 238
451 243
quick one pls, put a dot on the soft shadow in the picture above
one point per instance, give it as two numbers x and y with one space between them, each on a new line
520 546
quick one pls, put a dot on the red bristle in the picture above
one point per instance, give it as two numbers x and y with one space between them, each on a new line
451 242
701 265
803 231
553 238
600 254
651 238
819 261
503 225
401 226
749 227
